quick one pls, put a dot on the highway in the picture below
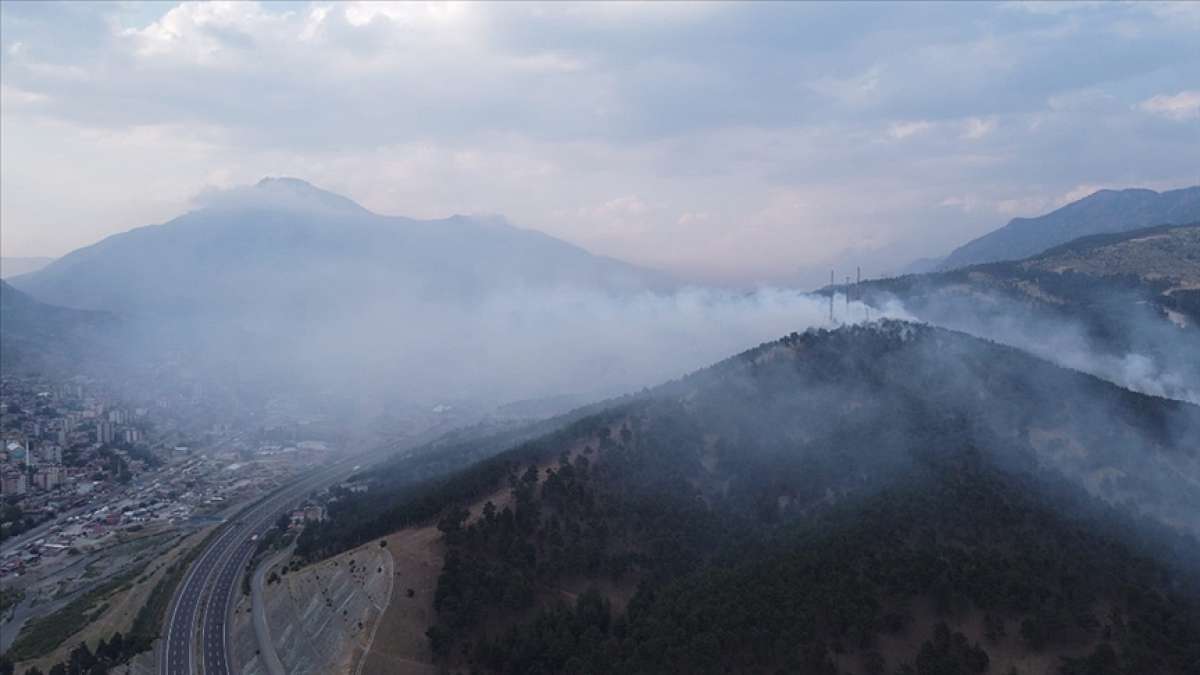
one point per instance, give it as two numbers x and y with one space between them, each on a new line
210 584
212 581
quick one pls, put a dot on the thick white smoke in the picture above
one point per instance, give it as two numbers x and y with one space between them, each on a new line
1170 372
517 345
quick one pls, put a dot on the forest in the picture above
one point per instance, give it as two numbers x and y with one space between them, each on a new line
825 503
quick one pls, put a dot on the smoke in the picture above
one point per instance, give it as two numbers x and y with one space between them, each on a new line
514 345
517 344
1151 355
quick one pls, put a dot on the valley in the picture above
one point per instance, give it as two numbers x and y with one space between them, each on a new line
594 338
907 496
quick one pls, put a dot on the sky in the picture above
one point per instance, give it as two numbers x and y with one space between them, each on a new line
725 143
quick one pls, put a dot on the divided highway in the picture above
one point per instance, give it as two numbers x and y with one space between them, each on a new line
210 584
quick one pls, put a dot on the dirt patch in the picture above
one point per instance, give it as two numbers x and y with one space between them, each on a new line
400 645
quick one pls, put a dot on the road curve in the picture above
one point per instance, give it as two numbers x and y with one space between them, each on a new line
177 653
209 584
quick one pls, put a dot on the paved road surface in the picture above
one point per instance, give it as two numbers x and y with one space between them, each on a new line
177 654
213 579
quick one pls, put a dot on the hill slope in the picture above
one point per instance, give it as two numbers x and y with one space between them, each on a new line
286 247
846 501
35 335
1106 211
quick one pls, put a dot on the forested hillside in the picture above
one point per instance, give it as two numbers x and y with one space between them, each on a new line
1123 306
1157 266
883 499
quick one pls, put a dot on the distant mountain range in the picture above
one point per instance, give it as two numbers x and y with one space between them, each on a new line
285 246
1163 262
1106 211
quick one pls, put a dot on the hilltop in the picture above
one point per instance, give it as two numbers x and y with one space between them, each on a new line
835 501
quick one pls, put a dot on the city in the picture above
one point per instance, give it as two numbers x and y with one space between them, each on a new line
94 489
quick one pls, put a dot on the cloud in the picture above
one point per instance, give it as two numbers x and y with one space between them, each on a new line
15 96
903 130
976 128
1182 106
1076 193
871 114
208 33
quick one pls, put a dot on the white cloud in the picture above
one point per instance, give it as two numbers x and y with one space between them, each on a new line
976 128
1050 7
1182 106
421 15
964 203
203 33
14 96
903 130
1076 193
718 141
861 89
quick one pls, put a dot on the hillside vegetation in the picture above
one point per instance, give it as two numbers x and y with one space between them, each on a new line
883 499
1123 306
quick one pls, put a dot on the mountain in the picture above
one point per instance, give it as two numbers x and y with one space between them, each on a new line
1125 306
286 288
1106 211
11 267
36 335
886 498
287 248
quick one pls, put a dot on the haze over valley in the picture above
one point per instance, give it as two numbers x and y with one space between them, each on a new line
373 338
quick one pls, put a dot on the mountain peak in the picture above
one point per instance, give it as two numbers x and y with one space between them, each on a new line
283 193
296 184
